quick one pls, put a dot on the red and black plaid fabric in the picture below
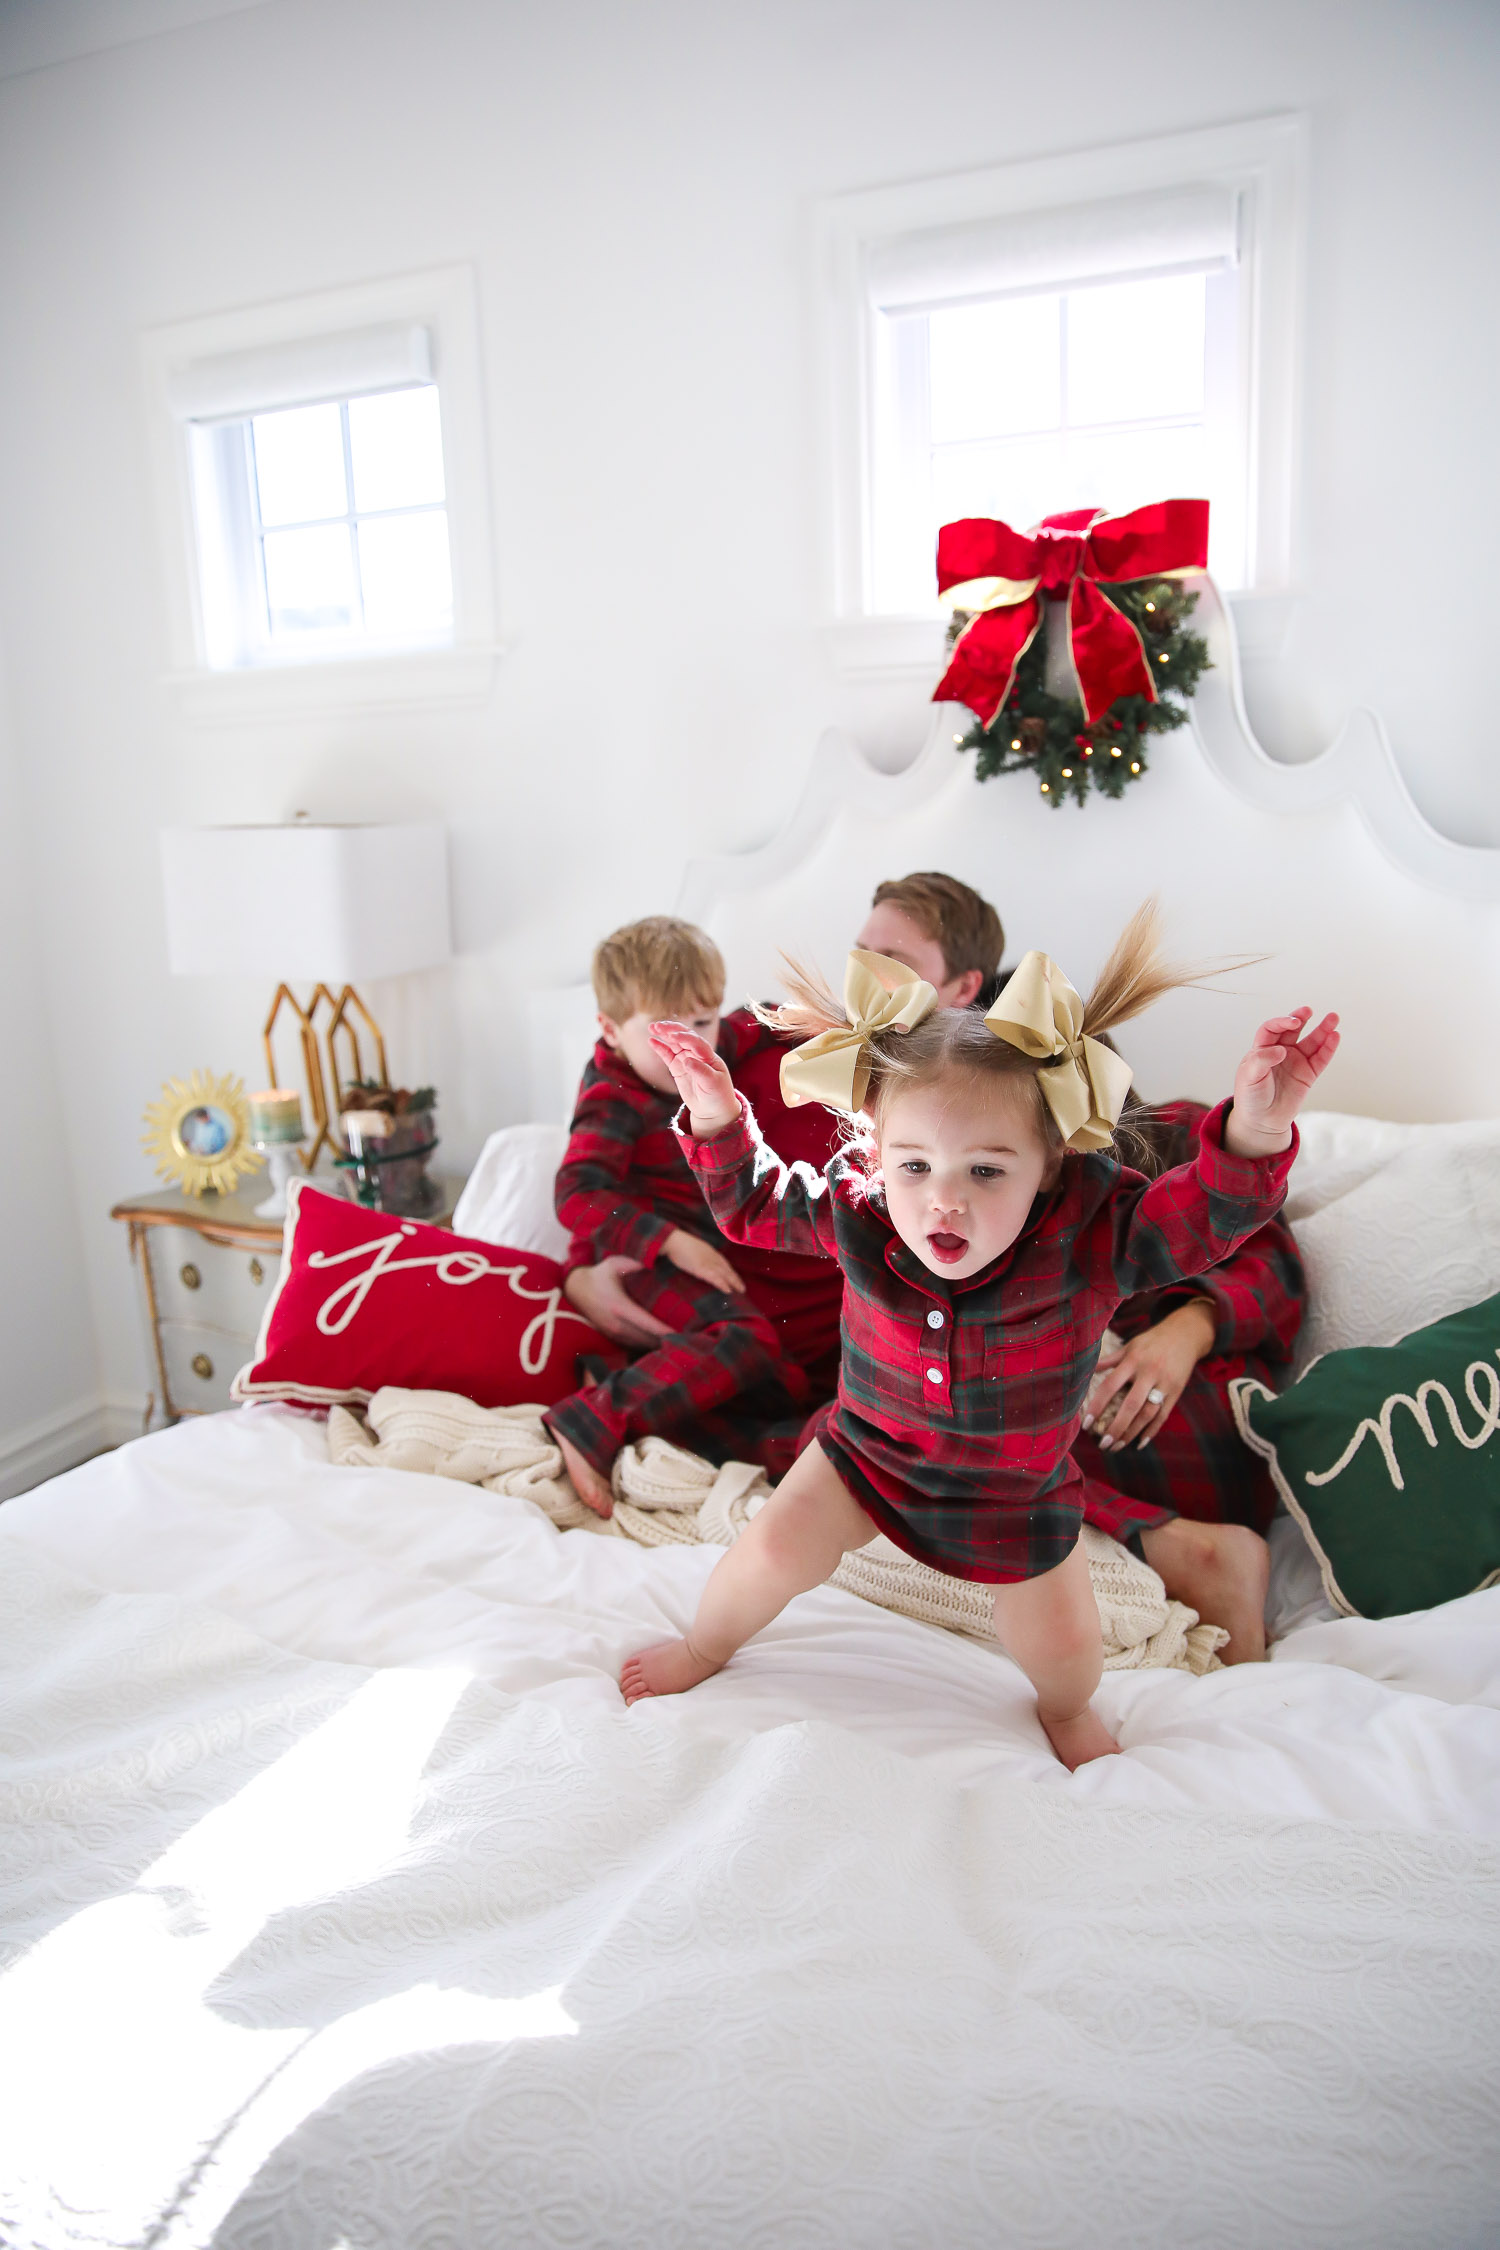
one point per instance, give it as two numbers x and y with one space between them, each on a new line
1259 1293
733 1382
622 1187
721 1384
958 1402
1197 1464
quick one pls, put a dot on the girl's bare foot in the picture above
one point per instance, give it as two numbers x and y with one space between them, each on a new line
1080 1738
1222 1571
592 1489
666 1668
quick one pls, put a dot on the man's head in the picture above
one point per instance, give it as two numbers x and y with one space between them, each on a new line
939 928
659 967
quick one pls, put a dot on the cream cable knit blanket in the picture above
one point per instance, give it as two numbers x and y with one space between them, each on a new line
663 1495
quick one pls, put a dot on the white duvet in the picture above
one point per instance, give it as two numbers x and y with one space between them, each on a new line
344 1904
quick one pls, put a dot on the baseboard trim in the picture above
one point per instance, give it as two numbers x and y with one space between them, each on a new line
62 1439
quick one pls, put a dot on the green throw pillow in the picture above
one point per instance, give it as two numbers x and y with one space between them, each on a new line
1389 1458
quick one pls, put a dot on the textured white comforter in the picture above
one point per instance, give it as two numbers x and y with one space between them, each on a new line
344 1903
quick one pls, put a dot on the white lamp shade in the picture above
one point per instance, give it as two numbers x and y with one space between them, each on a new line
306 902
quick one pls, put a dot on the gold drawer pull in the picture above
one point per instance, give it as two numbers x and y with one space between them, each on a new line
257 1272
203 1366
190 1278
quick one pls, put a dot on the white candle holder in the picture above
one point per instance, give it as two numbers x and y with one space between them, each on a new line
283 1158
276 1128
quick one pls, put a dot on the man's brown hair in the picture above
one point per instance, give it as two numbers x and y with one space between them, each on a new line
661 965
965 925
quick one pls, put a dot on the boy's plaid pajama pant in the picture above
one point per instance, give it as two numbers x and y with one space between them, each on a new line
720 1385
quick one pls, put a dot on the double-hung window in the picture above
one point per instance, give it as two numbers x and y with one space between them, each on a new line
1099 332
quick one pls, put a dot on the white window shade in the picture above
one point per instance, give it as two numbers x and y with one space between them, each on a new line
233 385
1178 230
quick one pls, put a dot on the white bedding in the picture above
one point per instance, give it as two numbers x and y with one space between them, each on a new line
347 1904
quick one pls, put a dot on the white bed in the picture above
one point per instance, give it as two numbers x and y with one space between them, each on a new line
351 1905
346 1907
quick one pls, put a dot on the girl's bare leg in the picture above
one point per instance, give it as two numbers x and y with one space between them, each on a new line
799 1538
1050 1627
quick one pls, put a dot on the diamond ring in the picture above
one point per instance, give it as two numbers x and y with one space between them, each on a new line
1154 1398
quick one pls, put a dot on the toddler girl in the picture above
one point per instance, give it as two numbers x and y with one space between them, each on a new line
986 1230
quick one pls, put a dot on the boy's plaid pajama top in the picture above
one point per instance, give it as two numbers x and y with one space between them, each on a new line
958 1401
622 1188
732 1379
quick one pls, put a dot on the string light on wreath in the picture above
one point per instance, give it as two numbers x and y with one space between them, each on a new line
1128 626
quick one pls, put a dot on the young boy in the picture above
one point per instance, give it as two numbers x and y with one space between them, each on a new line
624 1188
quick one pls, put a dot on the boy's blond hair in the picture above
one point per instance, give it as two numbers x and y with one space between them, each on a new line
660 966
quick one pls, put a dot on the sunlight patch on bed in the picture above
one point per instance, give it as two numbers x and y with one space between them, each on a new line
117 2071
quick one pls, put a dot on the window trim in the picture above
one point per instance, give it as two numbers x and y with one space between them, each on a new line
444 302
1262 160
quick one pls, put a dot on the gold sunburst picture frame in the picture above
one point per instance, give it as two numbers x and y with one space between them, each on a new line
198 1130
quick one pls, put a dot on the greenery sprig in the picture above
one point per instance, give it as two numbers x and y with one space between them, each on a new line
1047 735
396 1101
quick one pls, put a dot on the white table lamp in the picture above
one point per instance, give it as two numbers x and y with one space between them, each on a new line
310 902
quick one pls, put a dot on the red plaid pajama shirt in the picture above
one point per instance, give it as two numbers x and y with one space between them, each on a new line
730 1382
958 1401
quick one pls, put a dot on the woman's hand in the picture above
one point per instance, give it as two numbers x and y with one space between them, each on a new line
691 1254
1135 1389
700 1077
1285 1062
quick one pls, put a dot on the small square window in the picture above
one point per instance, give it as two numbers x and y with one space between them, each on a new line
325 508
323 530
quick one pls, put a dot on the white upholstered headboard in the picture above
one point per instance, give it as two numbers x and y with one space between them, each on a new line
1325 867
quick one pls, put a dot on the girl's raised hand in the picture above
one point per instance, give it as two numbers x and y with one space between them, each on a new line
1285 1062
700 1077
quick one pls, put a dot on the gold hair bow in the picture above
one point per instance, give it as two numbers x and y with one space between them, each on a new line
1040 1013
834 1068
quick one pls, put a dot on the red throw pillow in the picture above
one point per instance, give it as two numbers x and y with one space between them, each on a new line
366 1298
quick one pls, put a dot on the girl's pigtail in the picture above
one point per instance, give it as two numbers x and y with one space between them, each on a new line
1137 974
812 1008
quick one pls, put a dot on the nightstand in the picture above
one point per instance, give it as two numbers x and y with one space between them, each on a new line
206 1266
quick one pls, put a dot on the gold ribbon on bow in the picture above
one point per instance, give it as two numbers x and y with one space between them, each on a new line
879 995
1085 1089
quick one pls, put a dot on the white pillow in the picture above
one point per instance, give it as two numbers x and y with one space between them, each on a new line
508 1198
1339 1151
1412 1240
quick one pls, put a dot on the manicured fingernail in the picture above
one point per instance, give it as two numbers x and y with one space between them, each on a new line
1088 1421
1105 1443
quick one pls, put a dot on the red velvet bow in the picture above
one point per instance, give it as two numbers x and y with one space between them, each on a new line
1004 574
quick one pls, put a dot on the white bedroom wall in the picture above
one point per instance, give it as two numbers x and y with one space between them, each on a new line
633 185
50 1412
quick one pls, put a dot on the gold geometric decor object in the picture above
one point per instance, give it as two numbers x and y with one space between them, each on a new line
198 1130
306 1019
323 1074
343 1026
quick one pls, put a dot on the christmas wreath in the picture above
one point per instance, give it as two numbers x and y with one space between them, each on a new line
1125 642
